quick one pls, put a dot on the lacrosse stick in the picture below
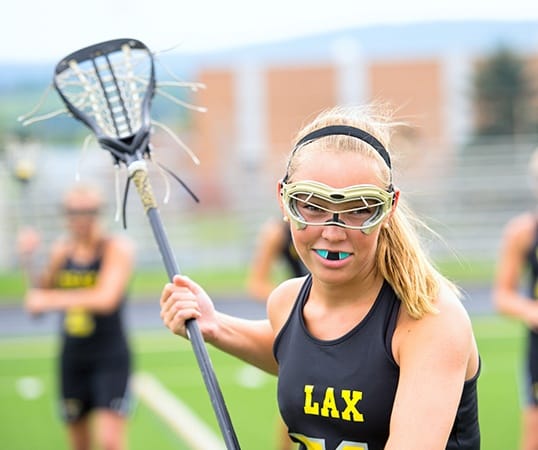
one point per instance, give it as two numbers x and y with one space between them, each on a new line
109 87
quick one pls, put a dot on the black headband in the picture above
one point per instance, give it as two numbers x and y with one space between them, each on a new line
347 131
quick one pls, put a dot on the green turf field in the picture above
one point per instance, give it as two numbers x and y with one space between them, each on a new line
27 391
148 283
250 394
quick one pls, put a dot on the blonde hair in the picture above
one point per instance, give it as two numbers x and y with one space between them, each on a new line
368 118
400 256
86 190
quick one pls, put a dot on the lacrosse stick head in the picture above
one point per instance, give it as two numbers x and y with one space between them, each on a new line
109 87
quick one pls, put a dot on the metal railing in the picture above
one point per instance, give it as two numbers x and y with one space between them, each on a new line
467 198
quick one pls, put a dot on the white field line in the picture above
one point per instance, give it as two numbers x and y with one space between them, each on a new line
176 415
39 353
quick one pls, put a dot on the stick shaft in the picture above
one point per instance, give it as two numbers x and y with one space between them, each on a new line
141 182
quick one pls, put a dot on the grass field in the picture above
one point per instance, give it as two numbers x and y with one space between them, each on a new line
250 395
145 283
230 280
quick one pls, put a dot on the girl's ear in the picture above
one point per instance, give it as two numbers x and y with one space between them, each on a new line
394 202
279 197
396 197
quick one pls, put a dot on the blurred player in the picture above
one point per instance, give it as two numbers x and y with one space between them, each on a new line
274 245
519 255
86 278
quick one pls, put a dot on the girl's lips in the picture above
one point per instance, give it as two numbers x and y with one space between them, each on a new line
332 256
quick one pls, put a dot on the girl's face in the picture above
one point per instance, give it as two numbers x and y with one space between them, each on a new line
333 253
82 214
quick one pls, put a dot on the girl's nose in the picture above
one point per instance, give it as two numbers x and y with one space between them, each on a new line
333 232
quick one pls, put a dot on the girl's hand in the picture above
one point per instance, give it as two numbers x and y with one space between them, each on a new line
27 242
531 316
37 302
182 300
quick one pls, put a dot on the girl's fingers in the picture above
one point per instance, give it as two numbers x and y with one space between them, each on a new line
186 282
167 290
178 304
172 293
175 308
175 318
180 301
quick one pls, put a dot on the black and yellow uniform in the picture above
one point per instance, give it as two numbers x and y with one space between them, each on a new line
531 372
289 254
339 393
95 360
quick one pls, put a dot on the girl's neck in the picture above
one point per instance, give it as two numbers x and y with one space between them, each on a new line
363 289
87 246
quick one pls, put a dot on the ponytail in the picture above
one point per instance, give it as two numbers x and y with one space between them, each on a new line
404 264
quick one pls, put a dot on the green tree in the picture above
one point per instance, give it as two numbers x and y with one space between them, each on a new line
501 95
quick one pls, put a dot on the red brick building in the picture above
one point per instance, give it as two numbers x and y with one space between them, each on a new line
255 106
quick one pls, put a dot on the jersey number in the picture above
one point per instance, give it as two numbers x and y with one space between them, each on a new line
319 444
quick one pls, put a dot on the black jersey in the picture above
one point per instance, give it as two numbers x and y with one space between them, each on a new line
290 255
85 334
531 387
532 262
339 393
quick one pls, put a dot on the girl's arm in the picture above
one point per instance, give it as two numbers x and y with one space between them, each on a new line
248 340
103 297
517 240
266 255
436 354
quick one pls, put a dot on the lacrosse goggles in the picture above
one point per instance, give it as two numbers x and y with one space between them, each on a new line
359 207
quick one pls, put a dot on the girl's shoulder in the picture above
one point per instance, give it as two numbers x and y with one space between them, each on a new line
523 223
281 301
449 325
61 248
118 243
521 230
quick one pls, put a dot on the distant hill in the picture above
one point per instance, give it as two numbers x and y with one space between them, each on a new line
394 41
380 41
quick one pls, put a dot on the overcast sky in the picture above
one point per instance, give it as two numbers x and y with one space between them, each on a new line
47 30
